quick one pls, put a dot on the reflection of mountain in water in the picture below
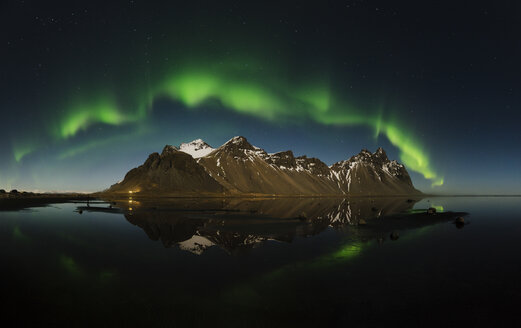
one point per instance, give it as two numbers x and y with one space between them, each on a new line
233 232
237 224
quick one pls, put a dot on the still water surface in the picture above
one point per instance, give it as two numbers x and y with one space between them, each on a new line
259 263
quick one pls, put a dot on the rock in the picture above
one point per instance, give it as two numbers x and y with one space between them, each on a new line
362 222
460 222
395 235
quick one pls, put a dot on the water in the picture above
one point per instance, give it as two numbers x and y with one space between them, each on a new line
262 263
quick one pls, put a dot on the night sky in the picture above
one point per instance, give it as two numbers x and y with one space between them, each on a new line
89 89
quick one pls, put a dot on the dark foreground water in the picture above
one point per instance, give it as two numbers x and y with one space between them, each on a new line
262 263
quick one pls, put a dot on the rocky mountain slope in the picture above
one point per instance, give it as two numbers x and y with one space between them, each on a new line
172 171
237 167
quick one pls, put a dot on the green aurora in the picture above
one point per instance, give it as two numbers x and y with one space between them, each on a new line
247 91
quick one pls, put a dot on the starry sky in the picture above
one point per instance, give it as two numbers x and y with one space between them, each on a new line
89 89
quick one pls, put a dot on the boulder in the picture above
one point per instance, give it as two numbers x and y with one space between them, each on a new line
459 222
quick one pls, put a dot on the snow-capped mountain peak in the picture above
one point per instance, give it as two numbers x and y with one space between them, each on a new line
197 148
237 167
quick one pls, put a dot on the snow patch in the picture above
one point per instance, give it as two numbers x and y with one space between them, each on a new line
197 148
196 244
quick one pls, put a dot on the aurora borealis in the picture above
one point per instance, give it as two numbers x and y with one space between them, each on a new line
263 100
91 89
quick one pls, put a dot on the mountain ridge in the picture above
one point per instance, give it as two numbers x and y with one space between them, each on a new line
240 168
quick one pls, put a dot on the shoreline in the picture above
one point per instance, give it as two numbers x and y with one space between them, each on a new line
20 201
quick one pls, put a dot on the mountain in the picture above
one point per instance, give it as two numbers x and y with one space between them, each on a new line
172 171
369 172
243 168
239 168
197 148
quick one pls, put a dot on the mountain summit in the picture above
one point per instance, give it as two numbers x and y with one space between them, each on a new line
239 168
197 148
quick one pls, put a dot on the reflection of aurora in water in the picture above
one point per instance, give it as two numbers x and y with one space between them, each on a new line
247 291
70 265
171 222
344 255
299 266
19 235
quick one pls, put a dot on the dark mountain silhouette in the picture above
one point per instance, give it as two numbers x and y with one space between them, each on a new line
170 171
